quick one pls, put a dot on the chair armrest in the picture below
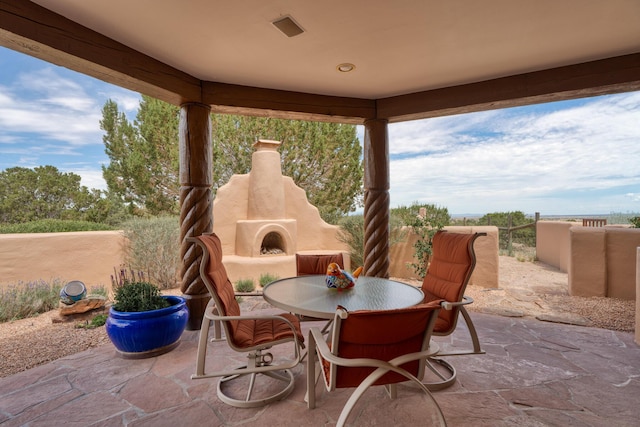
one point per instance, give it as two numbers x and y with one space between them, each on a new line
447 305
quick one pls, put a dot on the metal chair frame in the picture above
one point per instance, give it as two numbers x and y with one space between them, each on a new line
259 359
444 371
319 347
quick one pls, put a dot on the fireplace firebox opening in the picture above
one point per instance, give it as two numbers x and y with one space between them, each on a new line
272 244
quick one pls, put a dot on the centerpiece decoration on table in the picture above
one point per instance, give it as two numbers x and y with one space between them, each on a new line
340 279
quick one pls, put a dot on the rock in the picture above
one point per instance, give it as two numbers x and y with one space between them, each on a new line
567 318
502 311
86 304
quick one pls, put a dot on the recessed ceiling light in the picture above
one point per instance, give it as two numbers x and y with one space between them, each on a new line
288 26
345 67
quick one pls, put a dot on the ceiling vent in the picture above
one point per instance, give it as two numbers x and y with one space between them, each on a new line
288 26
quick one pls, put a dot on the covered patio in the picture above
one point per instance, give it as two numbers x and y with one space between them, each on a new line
339 61
534 374
356 62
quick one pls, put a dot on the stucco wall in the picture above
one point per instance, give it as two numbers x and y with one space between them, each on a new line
91 257
552 243
621 246
86 256
600 261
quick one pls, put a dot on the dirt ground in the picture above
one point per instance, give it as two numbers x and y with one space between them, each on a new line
529 289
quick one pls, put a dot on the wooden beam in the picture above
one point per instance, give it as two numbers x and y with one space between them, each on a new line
602 77
236 99
29 28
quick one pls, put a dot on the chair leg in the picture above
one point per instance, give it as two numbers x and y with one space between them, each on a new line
256 360
310 396
202 348
248 402
371 379
472 331
392 390
447 373
445 379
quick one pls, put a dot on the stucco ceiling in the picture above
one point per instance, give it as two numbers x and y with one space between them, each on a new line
398 47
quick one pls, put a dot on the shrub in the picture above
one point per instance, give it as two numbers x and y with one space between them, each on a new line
352 234
52 226
635 221
154 247
245 285
29 299
267 278
96 322
425 220
138 296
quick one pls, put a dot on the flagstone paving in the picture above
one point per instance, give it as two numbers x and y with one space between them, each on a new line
534 373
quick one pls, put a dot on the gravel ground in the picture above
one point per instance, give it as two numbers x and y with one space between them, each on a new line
526 288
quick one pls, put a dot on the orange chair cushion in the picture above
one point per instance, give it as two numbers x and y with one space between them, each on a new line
450 268
246 332
253 332
316 264
381 335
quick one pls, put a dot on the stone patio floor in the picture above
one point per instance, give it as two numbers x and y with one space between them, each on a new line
534 373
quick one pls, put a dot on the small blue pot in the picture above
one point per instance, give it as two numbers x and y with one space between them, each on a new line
148 333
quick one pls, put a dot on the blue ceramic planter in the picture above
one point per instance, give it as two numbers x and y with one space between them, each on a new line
148 333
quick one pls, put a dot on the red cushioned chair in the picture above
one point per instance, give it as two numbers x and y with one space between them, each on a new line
312 264
307 265
452 262
251 334
370 348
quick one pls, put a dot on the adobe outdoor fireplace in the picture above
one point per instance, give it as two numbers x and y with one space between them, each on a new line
263 219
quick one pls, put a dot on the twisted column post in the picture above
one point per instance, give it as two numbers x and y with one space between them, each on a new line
196 209
376 198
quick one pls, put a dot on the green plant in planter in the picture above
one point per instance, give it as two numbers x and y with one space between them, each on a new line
139 296
133 293
142 322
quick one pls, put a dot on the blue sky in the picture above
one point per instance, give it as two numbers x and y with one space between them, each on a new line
563 158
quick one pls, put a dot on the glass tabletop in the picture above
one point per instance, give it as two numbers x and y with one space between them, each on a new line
309 295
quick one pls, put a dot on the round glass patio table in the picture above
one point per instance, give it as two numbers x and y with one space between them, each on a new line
309 295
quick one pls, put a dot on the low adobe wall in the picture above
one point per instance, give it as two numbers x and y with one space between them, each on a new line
86 256
600 261
552 243
91 256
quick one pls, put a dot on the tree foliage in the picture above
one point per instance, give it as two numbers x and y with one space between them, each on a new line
43 193
143 167
322 158
352 233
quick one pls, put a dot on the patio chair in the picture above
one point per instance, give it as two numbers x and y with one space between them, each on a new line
316 263
312 264
452 262
251 334
369 348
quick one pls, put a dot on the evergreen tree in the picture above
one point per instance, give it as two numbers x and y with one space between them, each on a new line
322 158
43 193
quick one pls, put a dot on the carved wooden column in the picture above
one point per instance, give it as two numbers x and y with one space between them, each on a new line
376 198
196 209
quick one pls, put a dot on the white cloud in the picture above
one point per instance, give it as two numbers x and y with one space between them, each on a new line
519 160
91 178
50 106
